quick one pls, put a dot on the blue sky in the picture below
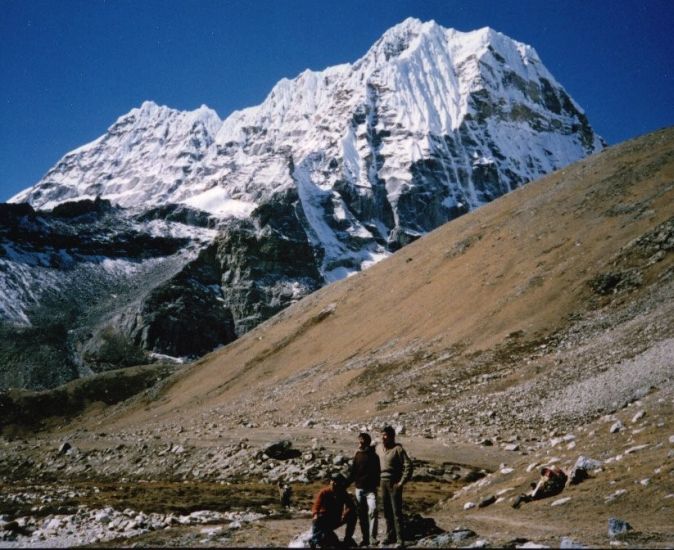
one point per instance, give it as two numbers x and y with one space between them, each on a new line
70 68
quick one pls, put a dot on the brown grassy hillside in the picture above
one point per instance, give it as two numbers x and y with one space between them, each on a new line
570 269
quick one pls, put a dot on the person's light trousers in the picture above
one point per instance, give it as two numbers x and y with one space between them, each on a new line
367 513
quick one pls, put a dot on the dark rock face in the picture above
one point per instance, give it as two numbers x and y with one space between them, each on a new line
92 209
182 307
252 270
186 316
85 230
179 213
266 263
36 356
66 274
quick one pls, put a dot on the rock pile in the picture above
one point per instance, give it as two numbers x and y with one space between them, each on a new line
93 526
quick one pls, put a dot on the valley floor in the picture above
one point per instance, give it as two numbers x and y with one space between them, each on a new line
61 506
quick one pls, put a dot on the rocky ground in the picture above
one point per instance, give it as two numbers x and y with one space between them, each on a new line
132 488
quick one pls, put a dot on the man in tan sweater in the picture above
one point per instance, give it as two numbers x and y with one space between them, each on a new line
396 470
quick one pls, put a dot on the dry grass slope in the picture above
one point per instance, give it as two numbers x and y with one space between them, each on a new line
492 304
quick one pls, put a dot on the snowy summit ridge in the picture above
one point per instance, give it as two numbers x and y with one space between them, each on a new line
428 124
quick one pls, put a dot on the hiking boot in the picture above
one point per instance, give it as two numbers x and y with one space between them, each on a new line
349 543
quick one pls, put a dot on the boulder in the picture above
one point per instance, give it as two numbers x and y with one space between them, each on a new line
487 501
581 469
281 450
618 527
419 527
64 447
301 540
638 416
569 543
616 427
444 540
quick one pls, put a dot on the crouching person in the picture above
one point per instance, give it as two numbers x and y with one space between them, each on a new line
333 508
552 482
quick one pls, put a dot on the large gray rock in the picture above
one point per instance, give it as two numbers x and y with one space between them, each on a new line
618 527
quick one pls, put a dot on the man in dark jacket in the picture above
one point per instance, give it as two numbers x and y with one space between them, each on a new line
364 475
396 470
333 508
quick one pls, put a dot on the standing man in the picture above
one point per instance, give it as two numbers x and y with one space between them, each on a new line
333 508
364 475
396 470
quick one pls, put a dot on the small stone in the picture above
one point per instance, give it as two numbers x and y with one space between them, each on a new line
511 447
613 496
487 501
561 501
64 447
469 505
645 482
635 449
617 527
671 439
638 416
569 543
10 526
616 427
461 533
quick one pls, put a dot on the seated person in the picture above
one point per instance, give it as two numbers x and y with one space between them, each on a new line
552 482
333 508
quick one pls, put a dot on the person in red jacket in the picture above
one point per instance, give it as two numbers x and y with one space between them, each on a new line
333 508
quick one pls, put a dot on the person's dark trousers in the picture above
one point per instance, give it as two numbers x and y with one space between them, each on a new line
323 531
351 520
392 500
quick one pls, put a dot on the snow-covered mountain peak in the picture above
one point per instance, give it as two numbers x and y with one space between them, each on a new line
399 38
428 123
